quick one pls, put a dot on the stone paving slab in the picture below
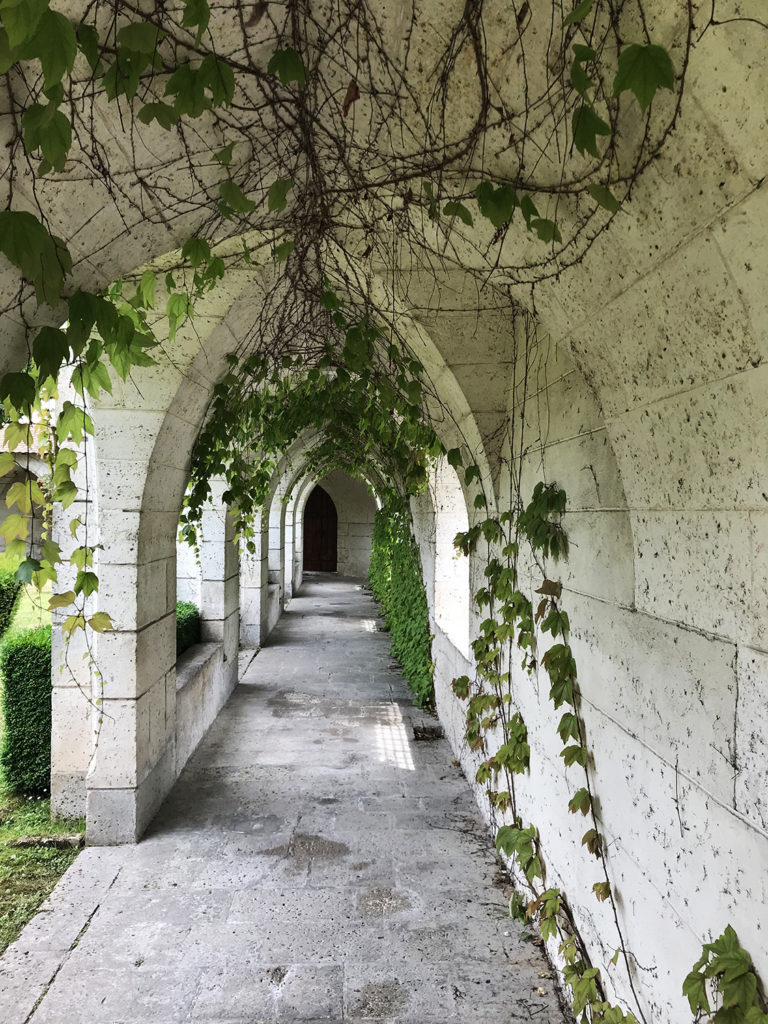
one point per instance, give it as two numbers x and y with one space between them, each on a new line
314 863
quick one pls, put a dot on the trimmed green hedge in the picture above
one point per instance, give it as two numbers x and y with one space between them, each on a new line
397 584
187 626
25 757
10 588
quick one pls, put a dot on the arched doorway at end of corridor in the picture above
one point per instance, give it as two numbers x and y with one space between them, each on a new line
320 532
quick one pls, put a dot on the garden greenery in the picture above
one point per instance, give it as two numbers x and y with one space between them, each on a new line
187 626
396 582
25 664
281 165
10 587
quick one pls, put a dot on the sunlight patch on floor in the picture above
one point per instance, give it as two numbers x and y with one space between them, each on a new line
392 746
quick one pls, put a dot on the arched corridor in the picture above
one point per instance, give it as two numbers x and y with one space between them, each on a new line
491 277
313 862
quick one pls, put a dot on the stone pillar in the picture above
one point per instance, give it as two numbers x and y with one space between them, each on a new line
252 584
133 766
220 579
288 552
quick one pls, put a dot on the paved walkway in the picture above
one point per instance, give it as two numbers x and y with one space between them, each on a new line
313 863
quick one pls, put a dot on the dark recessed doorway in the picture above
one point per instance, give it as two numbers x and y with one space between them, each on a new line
320 530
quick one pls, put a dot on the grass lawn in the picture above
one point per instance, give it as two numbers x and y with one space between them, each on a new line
28 875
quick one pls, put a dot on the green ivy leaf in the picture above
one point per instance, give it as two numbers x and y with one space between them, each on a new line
587 125
8 56
459 210
580 801
88 40
497 204
140 37
219 78
19 389
579 13
547 230
454 459
47 129
604 197
695 988
579 78
188 88
432 211
283 251
50 349
86 583
643 70
276 197
176 310
574 754
100 622
20 19
73 423
26 569
288 66
55 45
196 12
235 198
196 251
224 155
165 115
42 258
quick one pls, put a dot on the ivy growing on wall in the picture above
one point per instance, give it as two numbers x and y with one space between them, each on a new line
397 584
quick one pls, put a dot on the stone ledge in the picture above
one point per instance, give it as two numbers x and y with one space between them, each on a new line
193 661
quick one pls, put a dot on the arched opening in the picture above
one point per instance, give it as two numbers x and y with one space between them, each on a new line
321 524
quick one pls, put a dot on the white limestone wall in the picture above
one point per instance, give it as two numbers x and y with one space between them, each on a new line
666 620
356 509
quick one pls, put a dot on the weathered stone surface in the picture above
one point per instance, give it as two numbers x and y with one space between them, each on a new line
313 863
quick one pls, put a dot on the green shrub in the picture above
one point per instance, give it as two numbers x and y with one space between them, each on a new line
187 626
25 756
10 588
397 584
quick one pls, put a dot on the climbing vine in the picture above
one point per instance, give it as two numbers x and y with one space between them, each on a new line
396 582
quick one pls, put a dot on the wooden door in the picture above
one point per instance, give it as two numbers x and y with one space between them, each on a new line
320 530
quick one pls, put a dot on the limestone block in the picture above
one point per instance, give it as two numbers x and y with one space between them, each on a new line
71 734
132 661
679 327
68 794
738 57
751 737
584 466
119 532
740 237
112 426
697 568
670 687
600 560
121 483
703 449
152 713
116 761
134 597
